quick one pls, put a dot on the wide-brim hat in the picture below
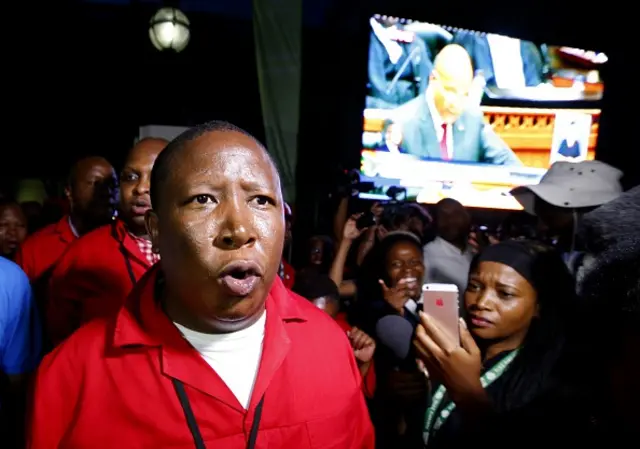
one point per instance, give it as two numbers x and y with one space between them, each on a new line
573 185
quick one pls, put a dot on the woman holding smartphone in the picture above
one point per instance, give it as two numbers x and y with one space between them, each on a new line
511 343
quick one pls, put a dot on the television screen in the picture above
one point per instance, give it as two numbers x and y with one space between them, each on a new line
469 115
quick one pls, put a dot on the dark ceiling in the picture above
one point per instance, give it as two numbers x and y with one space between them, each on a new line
81 76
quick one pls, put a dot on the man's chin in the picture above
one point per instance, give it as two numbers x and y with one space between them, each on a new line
233 321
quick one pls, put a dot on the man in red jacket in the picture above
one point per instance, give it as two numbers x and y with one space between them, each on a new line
92 192
210 350
97 272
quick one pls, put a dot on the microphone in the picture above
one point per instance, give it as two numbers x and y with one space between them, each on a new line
404 65
396 333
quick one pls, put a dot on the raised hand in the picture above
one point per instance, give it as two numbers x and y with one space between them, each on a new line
363 345
351 231
397 295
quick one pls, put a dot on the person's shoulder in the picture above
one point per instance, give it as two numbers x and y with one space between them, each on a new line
473 115
87 245
311 313
316 321
81 348
433 245
407 113
36 239
12 276
95 236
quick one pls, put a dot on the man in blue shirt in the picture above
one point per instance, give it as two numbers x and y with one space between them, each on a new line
20 344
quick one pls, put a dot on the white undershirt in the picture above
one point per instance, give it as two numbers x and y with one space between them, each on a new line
235 357
508 67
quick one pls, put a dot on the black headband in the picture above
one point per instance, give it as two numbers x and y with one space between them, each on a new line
512 254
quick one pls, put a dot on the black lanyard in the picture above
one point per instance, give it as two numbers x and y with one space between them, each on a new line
123 250
128 263
193 425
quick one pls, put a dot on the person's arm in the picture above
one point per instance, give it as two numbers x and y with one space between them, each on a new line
495 150
370 235
340 218
21 353
53 399
67 288
336 273
362 433
366 244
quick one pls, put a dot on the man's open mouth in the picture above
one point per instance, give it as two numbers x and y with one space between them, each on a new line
240 278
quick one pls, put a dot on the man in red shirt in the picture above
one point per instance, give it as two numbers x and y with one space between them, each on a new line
287 273
210 350
92 192
97 272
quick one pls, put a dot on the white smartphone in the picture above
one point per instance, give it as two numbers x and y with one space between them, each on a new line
440 302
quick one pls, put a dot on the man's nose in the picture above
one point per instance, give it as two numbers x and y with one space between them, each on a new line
142 187
237 229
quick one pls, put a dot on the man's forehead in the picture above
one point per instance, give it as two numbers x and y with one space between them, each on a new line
229 146
224 154
146 148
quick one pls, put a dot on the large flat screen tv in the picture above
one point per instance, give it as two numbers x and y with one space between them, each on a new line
470 115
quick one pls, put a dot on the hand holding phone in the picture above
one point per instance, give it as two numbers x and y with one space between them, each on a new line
440 303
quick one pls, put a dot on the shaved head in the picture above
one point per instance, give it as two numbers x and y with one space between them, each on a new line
85 165
162 167
453 64
451 81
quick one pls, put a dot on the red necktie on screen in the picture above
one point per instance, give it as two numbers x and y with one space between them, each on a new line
444 150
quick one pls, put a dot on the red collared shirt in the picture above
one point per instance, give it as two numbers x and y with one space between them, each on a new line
92 279
110 384
41 251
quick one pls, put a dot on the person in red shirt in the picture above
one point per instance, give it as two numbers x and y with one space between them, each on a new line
96 273
323 293
286 272
92 192
210 349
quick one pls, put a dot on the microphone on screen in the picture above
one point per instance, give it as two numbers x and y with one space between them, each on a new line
396 333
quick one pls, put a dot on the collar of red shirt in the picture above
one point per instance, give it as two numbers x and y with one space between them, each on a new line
121 235
142 323
64 230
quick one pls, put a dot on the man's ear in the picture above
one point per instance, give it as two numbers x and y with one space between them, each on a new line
68 196
151 225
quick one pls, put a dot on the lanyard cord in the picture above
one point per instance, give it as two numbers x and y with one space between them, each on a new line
193 424
433 423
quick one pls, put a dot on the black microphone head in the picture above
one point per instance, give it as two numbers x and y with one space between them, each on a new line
396 333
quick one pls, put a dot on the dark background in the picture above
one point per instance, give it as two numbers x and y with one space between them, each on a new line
82 76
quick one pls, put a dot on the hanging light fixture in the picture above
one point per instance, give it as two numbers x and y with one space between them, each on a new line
169 30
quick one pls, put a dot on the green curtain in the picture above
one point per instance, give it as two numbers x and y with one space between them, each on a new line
277 29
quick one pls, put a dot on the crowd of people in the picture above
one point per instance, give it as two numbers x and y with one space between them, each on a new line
160 310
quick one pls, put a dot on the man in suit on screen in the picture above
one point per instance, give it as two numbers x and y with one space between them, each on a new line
443 124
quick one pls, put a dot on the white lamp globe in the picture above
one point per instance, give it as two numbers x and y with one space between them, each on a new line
169 30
